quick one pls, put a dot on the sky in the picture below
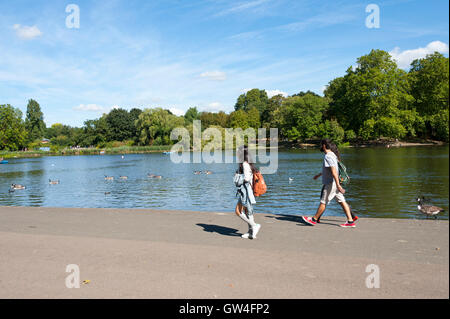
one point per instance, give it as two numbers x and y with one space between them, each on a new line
177 54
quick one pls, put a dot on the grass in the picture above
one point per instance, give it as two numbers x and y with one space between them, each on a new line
87 151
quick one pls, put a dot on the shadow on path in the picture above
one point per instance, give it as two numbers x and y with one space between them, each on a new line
226 231
299 220
289 218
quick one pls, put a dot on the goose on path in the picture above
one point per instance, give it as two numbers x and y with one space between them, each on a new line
428 210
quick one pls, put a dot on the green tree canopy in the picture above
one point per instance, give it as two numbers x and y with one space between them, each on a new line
34 122
120 125
13 134
254 98
371 96
238 119
191 115
155 125
213 119
299 117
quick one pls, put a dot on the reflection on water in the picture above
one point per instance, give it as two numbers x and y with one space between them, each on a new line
384 182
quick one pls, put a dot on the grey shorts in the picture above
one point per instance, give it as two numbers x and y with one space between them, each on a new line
330 191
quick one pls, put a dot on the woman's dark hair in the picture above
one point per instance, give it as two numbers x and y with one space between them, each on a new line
335 150
327 143
246 158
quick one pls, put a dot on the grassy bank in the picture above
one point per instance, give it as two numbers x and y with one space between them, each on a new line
124 149
87 151
381 142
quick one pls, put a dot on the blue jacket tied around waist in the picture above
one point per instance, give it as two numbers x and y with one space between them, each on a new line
244 191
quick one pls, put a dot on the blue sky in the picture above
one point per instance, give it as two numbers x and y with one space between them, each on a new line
178 54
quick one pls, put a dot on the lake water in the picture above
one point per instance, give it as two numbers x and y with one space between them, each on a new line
384 182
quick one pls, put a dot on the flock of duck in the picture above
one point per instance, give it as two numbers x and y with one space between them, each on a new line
200 172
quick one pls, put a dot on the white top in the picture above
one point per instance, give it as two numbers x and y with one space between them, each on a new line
248 174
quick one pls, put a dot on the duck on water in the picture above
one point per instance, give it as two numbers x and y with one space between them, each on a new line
16 187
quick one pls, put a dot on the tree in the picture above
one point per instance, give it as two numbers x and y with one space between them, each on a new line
238 119
253 118
120 125
267 116
13 134
429 86
213 119
429 83
62 135
34 122
369 99
154 126
95 132
332 130
134 115
299 117
254 98
191 115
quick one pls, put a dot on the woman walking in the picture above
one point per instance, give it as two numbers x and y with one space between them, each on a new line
331 188
336 152
246 199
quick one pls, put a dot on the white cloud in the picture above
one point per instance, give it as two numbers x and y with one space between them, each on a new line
241 7
215 105
90 108
176 111
212 107
214 75
271 93
404 58
26 32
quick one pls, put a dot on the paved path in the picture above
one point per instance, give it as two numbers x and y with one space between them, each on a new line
173 254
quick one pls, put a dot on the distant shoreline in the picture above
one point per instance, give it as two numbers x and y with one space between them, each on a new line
387 143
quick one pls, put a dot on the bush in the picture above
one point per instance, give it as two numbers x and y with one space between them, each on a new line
384 126
439 123
350 135
332 130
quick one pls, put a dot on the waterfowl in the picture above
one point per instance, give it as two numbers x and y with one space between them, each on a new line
291 179
109 178
53 182
197 172
123 177
208 172
154 176
17 186
428 210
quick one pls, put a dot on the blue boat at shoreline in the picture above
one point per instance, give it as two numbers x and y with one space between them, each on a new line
4 162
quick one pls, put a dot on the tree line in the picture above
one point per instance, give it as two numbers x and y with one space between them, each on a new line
373 99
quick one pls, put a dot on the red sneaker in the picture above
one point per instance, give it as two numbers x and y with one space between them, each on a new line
355 218
348 225
309 220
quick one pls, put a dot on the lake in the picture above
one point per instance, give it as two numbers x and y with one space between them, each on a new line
385 182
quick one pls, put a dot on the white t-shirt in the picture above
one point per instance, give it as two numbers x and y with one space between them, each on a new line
330 160
248 174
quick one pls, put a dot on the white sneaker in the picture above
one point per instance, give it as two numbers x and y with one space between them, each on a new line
255 231
246 236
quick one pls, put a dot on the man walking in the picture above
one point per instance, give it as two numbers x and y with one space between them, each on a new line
331 187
